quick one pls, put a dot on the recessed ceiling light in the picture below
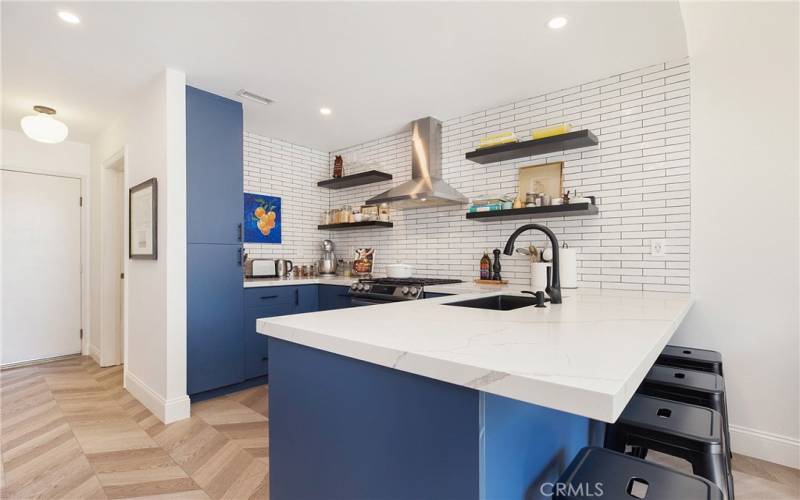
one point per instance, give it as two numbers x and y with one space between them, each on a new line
69 17
325 111
557 23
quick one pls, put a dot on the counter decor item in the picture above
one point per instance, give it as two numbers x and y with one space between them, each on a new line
262 218
539 274
283 268
541 133
327 263
496 267
143 220
489 203
383 212
497 139
364 260
369 212
568 266
338 167
485 264
399 271
545 179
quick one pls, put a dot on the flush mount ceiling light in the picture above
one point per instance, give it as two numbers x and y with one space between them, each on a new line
557 23
325 111
246 94
43 127
69 17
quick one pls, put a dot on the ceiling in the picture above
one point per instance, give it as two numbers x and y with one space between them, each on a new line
376 65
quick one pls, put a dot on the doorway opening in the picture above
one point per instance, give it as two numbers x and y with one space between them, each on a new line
109 345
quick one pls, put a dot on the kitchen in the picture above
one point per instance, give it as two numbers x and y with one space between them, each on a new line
510 283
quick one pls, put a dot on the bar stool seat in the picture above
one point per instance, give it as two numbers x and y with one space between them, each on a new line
624 477
687 431
691 358
688 386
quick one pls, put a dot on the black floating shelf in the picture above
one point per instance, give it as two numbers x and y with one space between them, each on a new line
514 150
535 212
353 180
355 225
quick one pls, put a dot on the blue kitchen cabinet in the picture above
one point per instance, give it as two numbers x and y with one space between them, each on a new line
333 297
215 297
307 299
266 302
215 334
214 167
256 355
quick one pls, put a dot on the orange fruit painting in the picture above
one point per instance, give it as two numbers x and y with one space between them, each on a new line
262 215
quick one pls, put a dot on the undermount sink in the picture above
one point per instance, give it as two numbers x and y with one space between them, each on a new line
496 302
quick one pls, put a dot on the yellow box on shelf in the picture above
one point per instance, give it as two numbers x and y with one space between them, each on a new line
561 128
497 139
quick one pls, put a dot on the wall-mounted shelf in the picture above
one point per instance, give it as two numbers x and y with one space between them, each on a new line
535 212
514 150
353 180
355 225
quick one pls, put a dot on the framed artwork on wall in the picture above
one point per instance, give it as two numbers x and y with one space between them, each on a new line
143 220
546 178
262 218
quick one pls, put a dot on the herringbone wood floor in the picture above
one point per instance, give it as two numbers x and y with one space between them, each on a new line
69 430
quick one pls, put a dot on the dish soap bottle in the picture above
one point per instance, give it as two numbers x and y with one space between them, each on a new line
486 263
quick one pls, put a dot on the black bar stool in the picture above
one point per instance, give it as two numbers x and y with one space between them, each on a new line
689 357
688 386
687 431
622 476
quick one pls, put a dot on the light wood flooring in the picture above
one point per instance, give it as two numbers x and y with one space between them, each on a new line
69 430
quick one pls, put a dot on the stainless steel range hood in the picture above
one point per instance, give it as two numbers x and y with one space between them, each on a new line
426 187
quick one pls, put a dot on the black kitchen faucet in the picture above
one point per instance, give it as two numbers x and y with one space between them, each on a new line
553 285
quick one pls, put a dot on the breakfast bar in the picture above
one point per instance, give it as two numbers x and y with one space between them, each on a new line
432 399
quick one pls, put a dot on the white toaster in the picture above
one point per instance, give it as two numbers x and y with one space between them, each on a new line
260 268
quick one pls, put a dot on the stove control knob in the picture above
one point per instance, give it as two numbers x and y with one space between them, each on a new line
414 290
360 286
367 287
405 290
354 286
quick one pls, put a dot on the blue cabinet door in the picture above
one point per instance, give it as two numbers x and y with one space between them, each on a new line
256 356
333 297
215 334
214 168
307 299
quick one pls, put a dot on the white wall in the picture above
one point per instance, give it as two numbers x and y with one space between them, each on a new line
639 172
153 135
745 215
67 158
277 168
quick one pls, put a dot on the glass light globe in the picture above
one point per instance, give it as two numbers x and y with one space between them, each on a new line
44 128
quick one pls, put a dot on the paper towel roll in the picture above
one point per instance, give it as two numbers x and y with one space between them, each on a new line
539 276
568 267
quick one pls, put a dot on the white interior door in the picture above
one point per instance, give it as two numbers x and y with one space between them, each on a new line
41 273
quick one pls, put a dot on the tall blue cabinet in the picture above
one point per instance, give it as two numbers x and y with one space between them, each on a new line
215 297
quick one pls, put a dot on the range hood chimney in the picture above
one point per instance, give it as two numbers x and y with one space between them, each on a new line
426 187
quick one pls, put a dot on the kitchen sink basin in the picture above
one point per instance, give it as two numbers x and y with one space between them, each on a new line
496 302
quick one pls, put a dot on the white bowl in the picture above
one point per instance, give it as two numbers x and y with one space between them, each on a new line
399 270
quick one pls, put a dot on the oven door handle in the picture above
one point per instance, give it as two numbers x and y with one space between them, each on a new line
365 302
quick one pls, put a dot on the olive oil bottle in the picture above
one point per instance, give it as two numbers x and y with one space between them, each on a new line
486 264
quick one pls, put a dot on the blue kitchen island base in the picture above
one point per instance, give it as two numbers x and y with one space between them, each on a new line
341 428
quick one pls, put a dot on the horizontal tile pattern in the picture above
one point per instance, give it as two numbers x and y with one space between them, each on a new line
639 173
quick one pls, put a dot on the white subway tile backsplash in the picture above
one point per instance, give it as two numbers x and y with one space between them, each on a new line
639 172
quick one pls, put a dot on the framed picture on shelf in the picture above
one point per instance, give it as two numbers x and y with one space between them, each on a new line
546 178
143 220
262 218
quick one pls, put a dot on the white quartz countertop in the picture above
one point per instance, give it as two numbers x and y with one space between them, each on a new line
586 356
262 282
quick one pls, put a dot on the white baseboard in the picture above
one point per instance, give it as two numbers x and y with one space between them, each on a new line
167 411
94 352
773 448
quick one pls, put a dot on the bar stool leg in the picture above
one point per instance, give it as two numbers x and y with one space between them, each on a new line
714 468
